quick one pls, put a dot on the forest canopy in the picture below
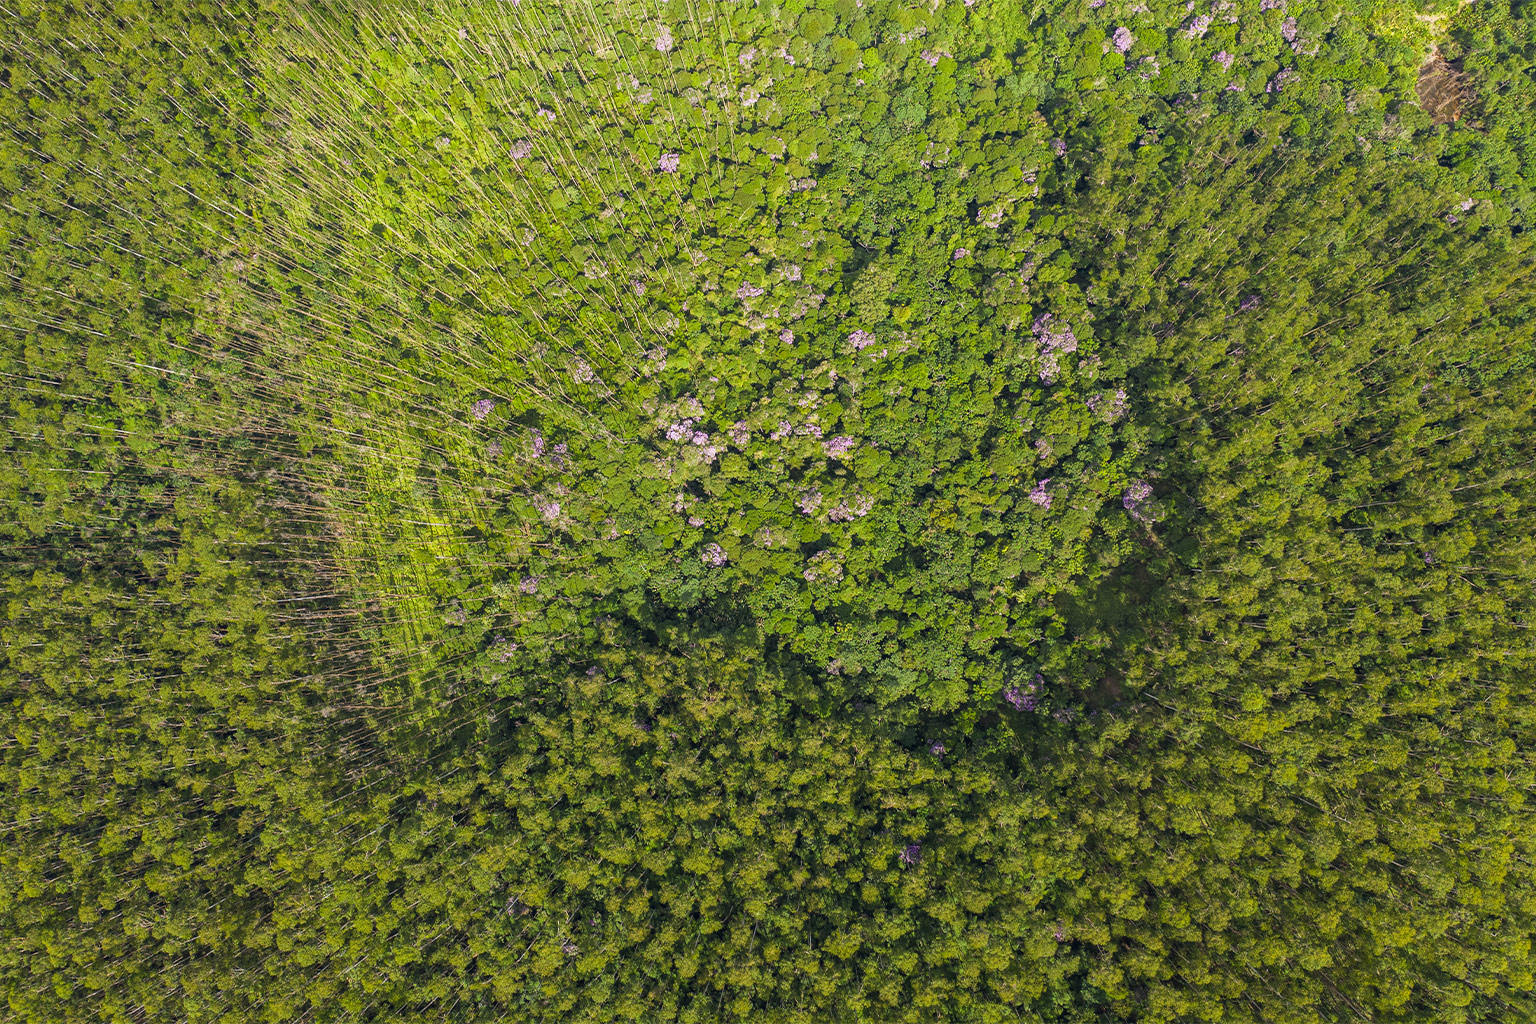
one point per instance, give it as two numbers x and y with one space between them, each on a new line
781 512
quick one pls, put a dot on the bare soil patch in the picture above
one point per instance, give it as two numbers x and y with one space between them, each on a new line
1445 91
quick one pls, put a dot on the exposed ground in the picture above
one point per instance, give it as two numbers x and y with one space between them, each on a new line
1445 91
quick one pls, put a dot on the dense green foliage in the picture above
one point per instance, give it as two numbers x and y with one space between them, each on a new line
783 512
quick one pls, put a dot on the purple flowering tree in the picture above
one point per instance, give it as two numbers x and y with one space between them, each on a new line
1134 498
1025 698
837 447
1277 84
502 649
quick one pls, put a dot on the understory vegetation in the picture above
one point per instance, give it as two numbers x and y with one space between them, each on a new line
786 512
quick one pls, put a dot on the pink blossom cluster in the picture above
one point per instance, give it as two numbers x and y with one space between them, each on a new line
787 336
502 649
791 272
740 433
932 57
992 220
861 339
1054 334
802 184
1123 40
1277 84
528 585
748 290
1288 30
747 56
481 409
1198 26
858 508
929 160
823 566
521 149
837 447
548 507
1040 496
643 94
664 39
1116 409
1224 59
680 430
713 554
808 502
961 253
548 115
1059 147
1135 496
912 854
771 537
1025 699
806 303
669 162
